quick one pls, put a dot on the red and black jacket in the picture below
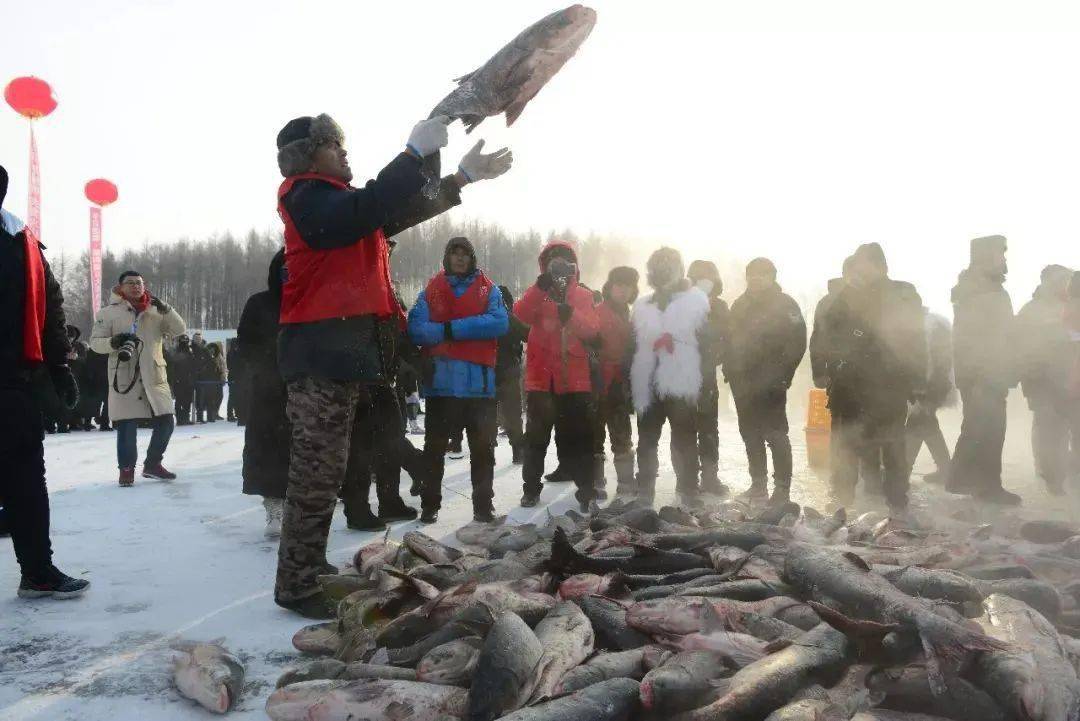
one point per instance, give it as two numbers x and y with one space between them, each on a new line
337 268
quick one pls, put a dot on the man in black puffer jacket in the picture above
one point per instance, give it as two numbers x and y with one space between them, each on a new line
877 363
33 357
766 344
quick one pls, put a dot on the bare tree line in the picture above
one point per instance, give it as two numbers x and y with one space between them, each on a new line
209 280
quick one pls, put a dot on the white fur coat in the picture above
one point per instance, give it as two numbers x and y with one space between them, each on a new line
657 373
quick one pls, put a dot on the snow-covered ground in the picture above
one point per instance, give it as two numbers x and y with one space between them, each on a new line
187 559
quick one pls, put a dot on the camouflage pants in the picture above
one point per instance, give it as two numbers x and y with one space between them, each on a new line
321 412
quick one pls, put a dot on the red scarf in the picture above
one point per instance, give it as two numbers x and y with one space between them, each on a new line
34 308
139 305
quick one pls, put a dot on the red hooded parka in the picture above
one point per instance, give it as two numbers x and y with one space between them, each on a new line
556 359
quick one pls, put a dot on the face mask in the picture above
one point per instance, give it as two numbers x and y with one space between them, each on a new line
706 286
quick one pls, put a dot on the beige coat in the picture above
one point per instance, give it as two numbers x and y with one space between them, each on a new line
150 396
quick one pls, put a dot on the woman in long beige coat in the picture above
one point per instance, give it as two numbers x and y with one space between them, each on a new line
138 387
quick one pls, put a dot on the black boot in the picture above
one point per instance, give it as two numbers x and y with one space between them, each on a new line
529 500
395 510
558 476
316 607
759 488
484 515
518 456
429 515
362 519
781 494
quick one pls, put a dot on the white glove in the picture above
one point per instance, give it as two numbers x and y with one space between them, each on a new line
429 135
478 166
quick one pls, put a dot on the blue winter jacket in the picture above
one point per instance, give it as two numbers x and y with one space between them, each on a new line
452 377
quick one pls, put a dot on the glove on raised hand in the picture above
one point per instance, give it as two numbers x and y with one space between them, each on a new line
429 136
479 166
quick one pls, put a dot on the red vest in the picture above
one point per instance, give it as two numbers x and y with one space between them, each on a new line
337 283
443 305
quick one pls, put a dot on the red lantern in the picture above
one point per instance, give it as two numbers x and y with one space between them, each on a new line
30 97
101 192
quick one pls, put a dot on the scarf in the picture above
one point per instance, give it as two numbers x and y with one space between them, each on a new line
34 307
139 305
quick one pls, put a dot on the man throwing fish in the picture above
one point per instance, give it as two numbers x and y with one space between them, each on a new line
340 320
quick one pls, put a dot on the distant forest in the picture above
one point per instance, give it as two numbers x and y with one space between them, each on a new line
208 281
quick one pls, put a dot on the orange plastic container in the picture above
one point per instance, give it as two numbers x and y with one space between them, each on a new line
818 417
818 424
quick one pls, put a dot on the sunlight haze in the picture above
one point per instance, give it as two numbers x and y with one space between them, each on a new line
794 130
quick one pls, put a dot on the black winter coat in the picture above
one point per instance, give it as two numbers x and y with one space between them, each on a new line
182 368
327 218
713 337
766 343
1045 353
819 353
55 344
267 433
983 333
875 347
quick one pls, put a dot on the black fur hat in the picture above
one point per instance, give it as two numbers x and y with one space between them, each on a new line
622 275
297 141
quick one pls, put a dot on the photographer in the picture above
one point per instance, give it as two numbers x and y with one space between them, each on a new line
130 330
558 382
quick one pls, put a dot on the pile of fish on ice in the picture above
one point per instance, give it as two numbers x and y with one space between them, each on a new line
632 613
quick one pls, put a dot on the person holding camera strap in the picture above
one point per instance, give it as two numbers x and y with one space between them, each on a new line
130 330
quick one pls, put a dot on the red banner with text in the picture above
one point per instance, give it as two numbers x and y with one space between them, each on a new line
33 212
95 260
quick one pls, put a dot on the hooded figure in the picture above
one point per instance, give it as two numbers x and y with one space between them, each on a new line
1045 360
875 336
985 365
33 356
457 320
714 337
666 372
765 346
268 431
562 322
614 406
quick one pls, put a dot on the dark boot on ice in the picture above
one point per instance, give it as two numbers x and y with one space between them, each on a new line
396 510
518 455
781 494
998 496
127 477
364 520
316 607
759 488
558 476
429 515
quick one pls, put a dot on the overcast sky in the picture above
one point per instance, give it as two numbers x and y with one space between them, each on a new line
790 129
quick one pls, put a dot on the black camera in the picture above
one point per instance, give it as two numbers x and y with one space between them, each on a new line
126 350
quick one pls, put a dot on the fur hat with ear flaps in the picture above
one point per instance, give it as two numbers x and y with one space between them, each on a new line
300 137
